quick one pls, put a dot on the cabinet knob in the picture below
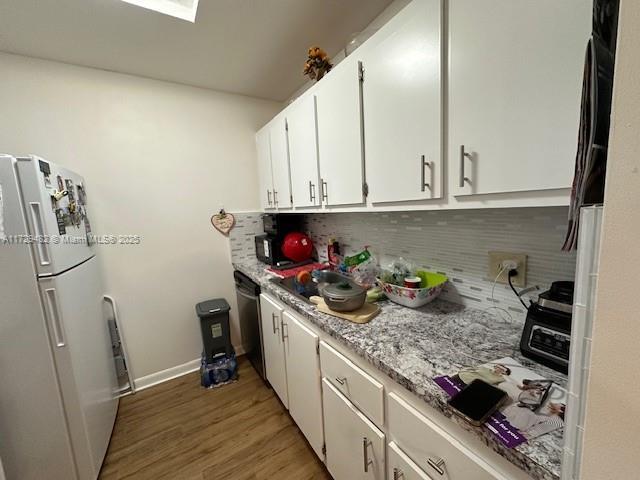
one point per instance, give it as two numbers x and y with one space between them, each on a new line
341 380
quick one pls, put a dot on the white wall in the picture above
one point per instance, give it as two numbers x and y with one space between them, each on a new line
611 442
158 159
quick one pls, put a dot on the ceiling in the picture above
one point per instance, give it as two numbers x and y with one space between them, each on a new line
250 47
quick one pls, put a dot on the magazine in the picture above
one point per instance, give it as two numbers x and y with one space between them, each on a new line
535 406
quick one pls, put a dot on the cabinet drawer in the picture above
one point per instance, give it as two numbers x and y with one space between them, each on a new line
402 467
434 450
354 383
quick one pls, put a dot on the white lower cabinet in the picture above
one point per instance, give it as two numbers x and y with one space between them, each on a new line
355 446
433 449
273 340
402 467
340 408
303 379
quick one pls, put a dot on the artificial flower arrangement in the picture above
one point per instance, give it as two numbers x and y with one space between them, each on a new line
317 64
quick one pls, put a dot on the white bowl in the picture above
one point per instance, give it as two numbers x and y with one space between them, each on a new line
411 297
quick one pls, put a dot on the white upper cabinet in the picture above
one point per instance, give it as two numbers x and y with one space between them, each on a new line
515 79
280 162
402 93
265 180
340 135
303 152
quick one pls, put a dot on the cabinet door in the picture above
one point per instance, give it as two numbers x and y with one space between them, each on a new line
303 152
402 101
515 80
280 162
402 467
272 337
303 379
340 135
265 180
355 447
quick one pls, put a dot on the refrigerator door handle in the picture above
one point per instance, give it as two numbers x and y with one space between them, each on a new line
56 319
36 219
123 347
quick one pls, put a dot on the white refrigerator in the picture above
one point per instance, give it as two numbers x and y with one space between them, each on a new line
58 394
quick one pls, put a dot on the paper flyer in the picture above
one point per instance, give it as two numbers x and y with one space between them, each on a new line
516 422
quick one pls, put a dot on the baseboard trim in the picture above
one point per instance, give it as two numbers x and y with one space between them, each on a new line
162 376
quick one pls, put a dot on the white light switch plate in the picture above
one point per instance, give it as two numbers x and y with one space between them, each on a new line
496 260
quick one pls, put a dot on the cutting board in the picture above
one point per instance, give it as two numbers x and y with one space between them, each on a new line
363 315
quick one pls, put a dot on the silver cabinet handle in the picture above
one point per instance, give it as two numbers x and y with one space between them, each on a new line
275 198
436 464
312 192
282 334
269 197
397 474
365 454
323 190
273 321
463 155
341 380
424 164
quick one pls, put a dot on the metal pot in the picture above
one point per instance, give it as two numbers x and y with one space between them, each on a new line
326 277
344 296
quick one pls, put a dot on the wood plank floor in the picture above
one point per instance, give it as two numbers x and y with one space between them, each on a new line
179 430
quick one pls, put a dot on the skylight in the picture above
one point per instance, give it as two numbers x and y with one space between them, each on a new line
183 9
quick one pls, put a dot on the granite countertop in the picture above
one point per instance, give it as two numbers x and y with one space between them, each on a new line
412 346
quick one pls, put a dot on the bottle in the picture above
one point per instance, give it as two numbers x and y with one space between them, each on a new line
333 254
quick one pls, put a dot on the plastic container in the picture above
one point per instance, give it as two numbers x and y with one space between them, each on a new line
415 297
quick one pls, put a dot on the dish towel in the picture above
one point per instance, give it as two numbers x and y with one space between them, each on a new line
593 136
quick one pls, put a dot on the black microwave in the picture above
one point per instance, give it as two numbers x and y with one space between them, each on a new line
269 249
280 224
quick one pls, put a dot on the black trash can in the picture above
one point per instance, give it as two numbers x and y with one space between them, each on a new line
214 326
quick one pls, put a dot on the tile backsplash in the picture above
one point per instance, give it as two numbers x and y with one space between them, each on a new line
454 242
242 235
457 243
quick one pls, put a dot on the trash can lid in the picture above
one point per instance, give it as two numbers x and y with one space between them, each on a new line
212 308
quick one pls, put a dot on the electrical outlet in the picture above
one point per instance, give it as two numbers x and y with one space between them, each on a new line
503 260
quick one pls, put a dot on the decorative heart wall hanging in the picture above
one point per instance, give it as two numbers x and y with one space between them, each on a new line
223 222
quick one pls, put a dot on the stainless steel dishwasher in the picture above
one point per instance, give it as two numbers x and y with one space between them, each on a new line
248 294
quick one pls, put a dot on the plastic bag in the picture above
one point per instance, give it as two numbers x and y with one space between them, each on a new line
397 271
221 371
366 273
